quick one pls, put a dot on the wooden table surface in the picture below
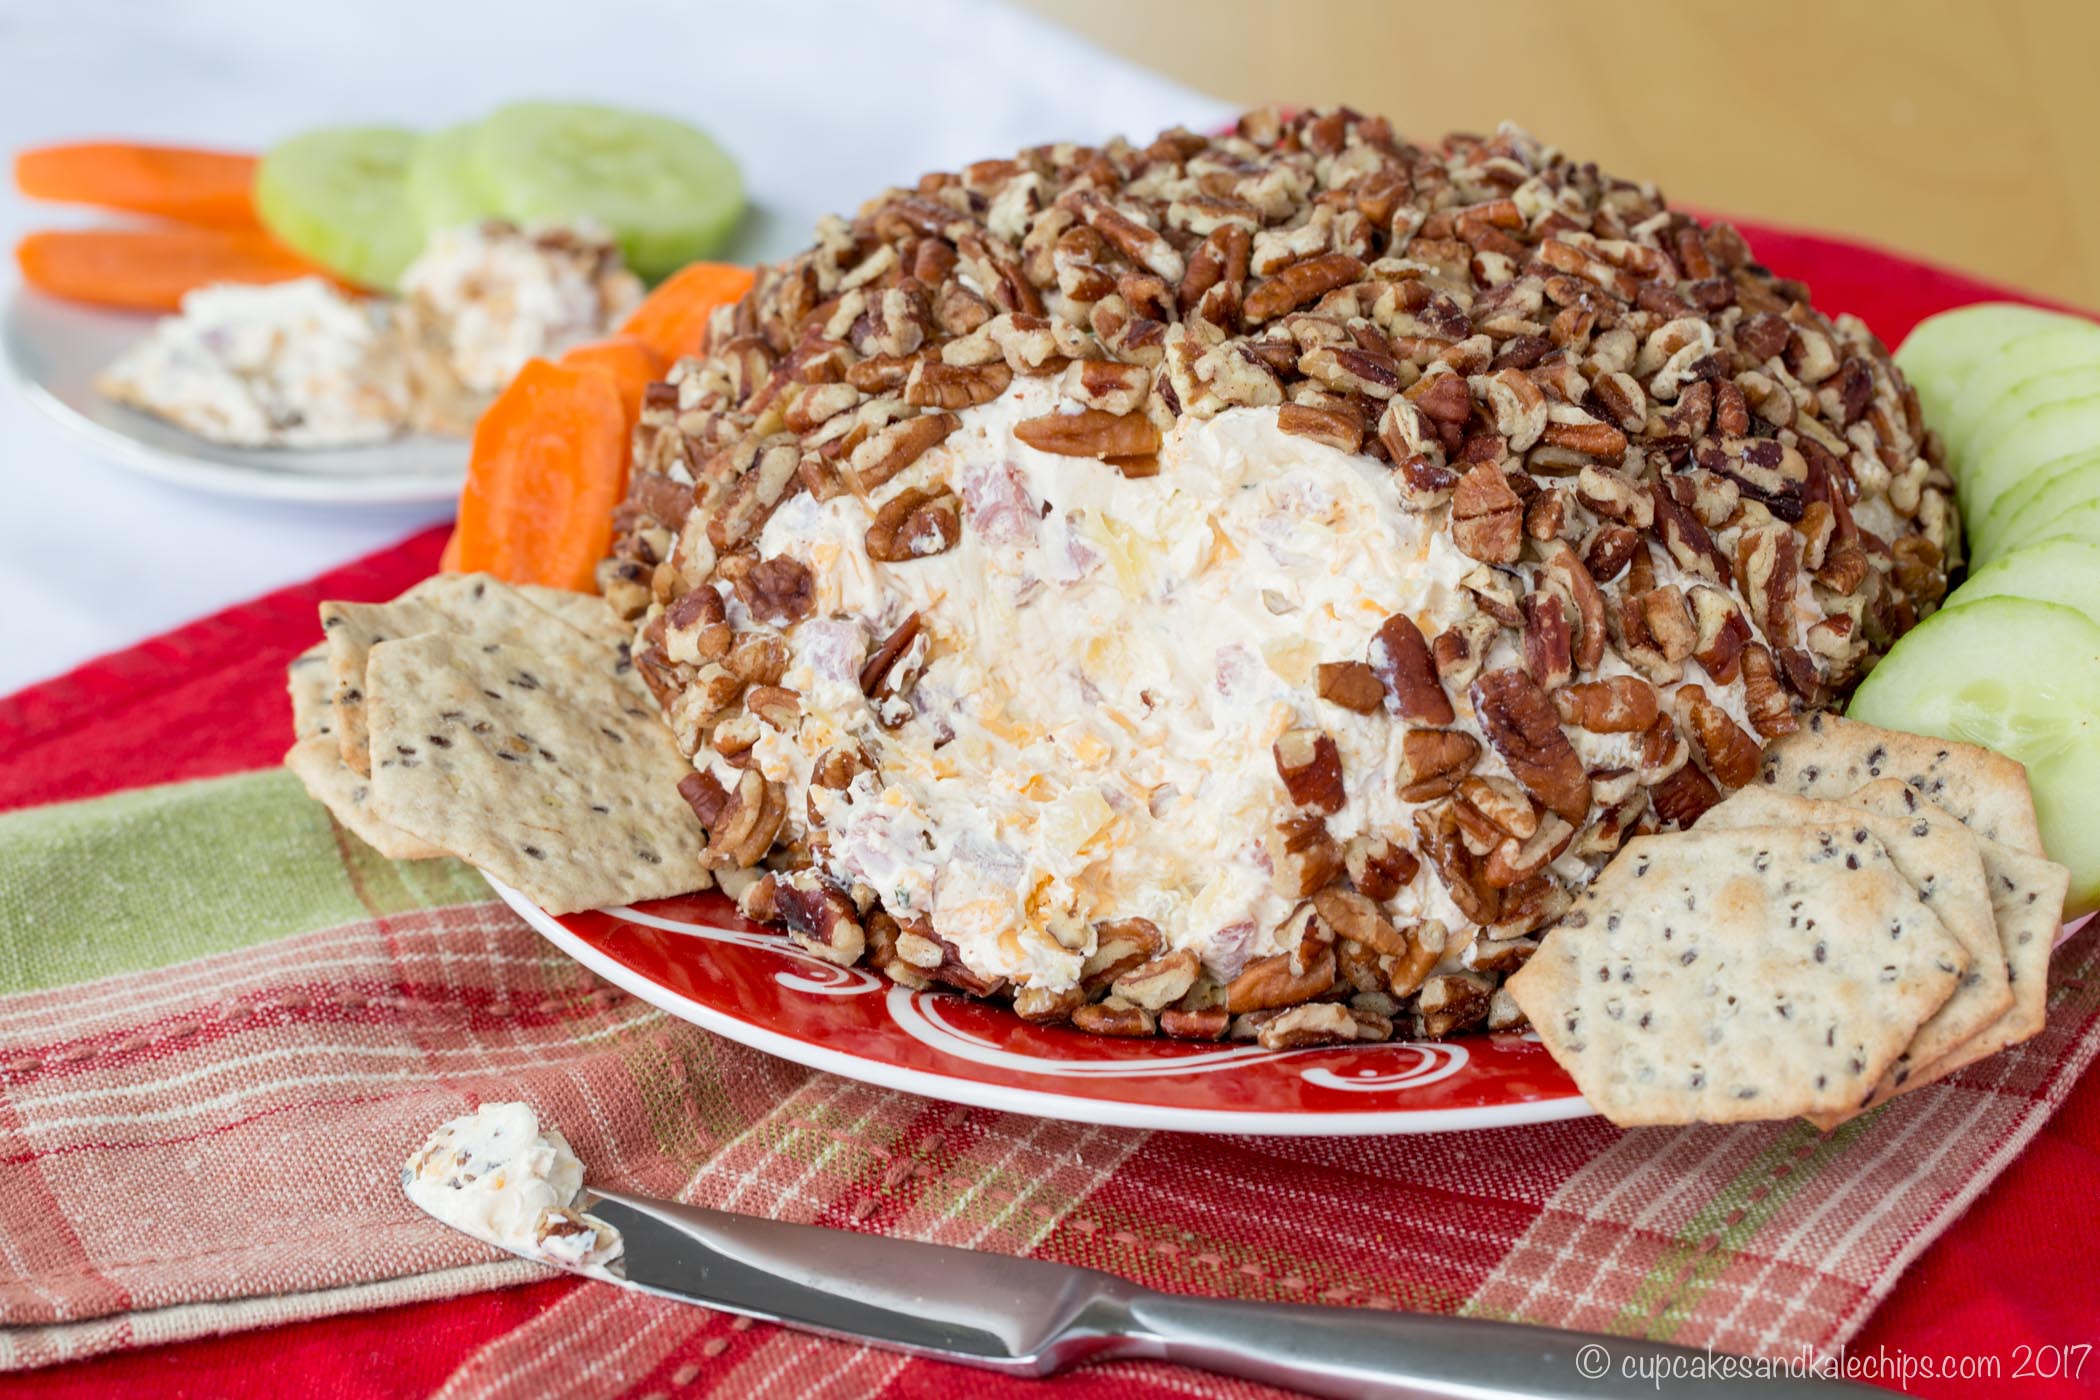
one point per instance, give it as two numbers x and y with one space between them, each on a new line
1966 133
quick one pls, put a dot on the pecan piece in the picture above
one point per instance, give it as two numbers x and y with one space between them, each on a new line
1566 571
1452 1002
1668 622
1352 916
1041 1006
1090 433
1304 856
1763 697
1299 283
820 918
778 591
1206 1024
1271 982
1548 652
936 385
1323 1023
1403 665
1618 705
1432 761
704 795
915 524
1108 385
1722 633
1487 517
892 449
1729 753
1311 768
1114 1018
1163 980
1378 866
747 824
1119 946
1685 796
1352 685
1519 720
1339 429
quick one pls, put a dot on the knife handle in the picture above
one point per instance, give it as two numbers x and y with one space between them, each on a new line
1365 1354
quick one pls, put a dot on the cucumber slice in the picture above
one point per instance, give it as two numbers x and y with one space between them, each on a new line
2031 510
2025 371
2064 571
443 189
2020 677
2080 522
339 196
1940 350
2051 430
666 191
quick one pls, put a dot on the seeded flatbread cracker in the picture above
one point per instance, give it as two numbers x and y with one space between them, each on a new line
1830 757
1939 857
2027 895
348 798
313 692
1726 976
475 605
586 612
545 771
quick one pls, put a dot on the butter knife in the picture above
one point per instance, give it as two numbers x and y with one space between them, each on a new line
1029 1317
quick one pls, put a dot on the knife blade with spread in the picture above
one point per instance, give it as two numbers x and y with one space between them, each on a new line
496 1176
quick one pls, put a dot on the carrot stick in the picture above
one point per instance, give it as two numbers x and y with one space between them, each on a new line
631 362
673 318
170 182
548 465
448 562
148 269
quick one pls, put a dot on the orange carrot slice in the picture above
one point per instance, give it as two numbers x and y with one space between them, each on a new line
549 463
170 182
448 561
631 362
148 269
673 318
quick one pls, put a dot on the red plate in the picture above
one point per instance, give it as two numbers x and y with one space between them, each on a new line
696 958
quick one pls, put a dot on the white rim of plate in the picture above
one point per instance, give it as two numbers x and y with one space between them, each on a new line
1035 1102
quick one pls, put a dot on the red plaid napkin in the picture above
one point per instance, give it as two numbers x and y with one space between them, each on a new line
212 1145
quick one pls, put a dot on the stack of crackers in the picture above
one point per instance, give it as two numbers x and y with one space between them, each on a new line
501 725
1875 915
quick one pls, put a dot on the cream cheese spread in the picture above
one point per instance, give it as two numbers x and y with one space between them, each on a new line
495 1175
292 364
1111 659
495 295
304 364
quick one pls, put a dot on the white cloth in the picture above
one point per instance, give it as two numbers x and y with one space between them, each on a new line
822 104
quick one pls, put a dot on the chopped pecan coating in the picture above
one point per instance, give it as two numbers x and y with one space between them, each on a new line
1643 439
1519 720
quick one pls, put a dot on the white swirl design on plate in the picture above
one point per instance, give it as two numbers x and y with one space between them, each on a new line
922 1016
1434 1061
814 976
